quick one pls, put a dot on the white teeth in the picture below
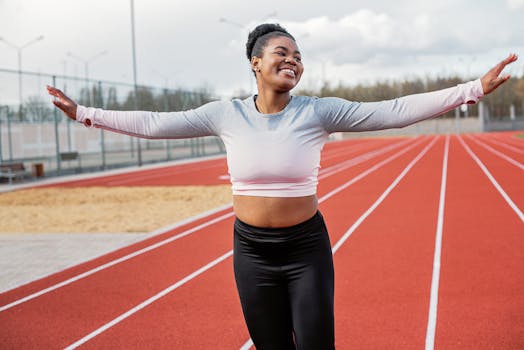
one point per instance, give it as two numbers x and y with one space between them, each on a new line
289 71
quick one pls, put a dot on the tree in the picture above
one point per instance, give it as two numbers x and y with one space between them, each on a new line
38 110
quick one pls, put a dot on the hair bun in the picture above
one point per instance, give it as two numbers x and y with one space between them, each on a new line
260 31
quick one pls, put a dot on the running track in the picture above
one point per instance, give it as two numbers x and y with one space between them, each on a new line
428 237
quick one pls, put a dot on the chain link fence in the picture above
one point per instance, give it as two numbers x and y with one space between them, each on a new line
47 143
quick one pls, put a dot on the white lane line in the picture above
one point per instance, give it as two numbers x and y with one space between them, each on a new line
370 210
359 159
345 148
493 181
383 196
160 231
194 274
503 144
497 153
149 301
331 170
105 173
435 279
115 262
247 345
174 172
372 169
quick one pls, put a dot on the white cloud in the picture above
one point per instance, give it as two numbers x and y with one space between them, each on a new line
366 36
360 36
515 4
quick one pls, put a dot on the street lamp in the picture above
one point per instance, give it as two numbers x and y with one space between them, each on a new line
135 81
19 51
86 63
225 20
236 24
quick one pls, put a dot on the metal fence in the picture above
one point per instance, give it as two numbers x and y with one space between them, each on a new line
512 121
34 133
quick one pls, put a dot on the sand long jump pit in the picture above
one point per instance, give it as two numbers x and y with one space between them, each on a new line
105 209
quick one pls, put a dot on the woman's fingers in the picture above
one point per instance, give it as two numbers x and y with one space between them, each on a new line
491 80
63 102
500 67
54 91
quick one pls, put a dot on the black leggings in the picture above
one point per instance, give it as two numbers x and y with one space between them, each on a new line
285 281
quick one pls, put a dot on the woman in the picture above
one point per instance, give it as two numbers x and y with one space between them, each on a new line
282 254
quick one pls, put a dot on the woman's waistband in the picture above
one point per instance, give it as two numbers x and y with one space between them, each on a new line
278 234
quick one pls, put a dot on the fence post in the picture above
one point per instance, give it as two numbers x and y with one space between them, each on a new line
481 116
166 109
1 153
9 137
512 117
68 124
69 142
57 140
457 120
102 134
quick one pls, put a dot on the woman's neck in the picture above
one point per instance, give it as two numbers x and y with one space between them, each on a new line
272 102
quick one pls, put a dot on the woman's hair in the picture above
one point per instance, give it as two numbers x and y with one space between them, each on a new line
258 38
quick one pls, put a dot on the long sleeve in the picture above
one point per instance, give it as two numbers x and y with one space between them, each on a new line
202 121
341 115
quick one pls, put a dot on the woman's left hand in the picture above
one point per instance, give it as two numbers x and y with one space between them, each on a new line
491 80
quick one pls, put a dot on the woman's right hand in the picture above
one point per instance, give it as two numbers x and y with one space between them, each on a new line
64 103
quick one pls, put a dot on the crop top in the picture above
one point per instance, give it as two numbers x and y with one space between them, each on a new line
278 155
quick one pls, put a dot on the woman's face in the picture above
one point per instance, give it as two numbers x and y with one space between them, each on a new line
280 66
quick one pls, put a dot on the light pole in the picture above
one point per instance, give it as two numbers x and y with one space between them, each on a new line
86 63
19 51
135 83
465 108
225 20
242 26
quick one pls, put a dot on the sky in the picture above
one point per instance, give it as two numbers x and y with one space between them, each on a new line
184 44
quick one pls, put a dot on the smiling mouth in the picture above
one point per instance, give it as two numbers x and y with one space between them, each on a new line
289 72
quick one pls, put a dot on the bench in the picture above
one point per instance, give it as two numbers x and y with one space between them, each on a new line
70 156
11 171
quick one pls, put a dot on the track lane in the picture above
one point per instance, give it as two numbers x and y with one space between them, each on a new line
163 234
70 275
157 335
509 137
481 285
217 278
509 173
57 317
187 316
383 273
33 330
177 174
513 155
502 144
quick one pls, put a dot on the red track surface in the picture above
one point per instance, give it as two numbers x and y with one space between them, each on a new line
148 295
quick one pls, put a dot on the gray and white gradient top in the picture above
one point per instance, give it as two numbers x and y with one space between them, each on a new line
278 155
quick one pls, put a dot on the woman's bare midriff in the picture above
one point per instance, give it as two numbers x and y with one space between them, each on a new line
274 211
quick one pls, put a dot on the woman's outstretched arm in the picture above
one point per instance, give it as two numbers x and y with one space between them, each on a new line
202 121
341 115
